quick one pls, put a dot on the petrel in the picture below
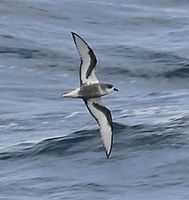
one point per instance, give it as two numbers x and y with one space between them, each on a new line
91 90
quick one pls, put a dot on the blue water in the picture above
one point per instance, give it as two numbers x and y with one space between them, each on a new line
50 148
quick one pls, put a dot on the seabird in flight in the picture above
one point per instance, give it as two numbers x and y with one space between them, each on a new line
91 90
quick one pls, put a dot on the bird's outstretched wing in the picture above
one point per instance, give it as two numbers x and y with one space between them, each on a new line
104 120
88 61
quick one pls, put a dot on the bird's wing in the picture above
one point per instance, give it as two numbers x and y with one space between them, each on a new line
88 61
104 120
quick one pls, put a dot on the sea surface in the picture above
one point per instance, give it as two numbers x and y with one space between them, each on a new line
50 147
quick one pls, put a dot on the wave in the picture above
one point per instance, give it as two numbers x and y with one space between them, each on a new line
65 145
182 72
26 53
126 138
133 61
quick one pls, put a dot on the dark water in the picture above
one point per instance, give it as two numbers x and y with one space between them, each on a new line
50 147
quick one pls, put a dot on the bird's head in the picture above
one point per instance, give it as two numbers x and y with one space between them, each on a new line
110 88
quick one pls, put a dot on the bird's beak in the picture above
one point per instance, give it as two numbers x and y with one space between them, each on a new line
115 89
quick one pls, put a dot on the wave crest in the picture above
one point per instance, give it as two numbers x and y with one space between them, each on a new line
132 138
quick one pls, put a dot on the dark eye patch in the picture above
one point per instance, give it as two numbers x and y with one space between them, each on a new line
109 86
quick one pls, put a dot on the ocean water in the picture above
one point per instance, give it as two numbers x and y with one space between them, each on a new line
50 147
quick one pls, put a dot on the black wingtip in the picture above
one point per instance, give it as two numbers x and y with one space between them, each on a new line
108 154
75 34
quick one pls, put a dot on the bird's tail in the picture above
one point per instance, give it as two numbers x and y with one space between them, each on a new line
72 94
65 94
